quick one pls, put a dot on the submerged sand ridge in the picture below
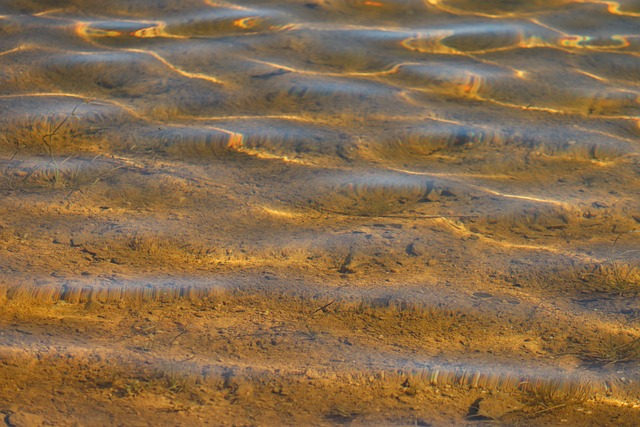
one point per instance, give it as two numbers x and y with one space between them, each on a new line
345 212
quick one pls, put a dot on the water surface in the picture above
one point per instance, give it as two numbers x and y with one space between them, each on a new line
320 212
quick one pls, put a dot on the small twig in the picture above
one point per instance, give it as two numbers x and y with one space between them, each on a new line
52 134
320 309
630 343
622 234
178 336
312 335
16 152
541 411
29 173
96 179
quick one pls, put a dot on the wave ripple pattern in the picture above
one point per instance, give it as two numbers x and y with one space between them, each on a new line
320 212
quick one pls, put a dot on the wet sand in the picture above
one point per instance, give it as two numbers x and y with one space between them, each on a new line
319 213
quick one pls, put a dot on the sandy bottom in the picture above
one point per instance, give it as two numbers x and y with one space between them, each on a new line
251 359
319 212
381 329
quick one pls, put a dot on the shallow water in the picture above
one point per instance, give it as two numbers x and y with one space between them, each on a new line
372 212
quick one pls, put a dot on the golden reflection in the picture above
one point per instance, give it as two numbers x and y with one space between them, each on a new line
85 31
246 23
265 155
462 178
15 49
282 213
289 117
441 5
459 228
159 30
274 65
526 198
610 135
435 43
613 7
583 42
539 23
529 247
191 75
392 70
471 89
49 12
237 141
88 31
478 97
81 98
588 74
430 43
225 5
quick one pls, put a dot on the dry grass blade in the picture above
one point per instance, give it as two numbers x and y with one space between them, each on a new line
623 271
555 393
613 351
